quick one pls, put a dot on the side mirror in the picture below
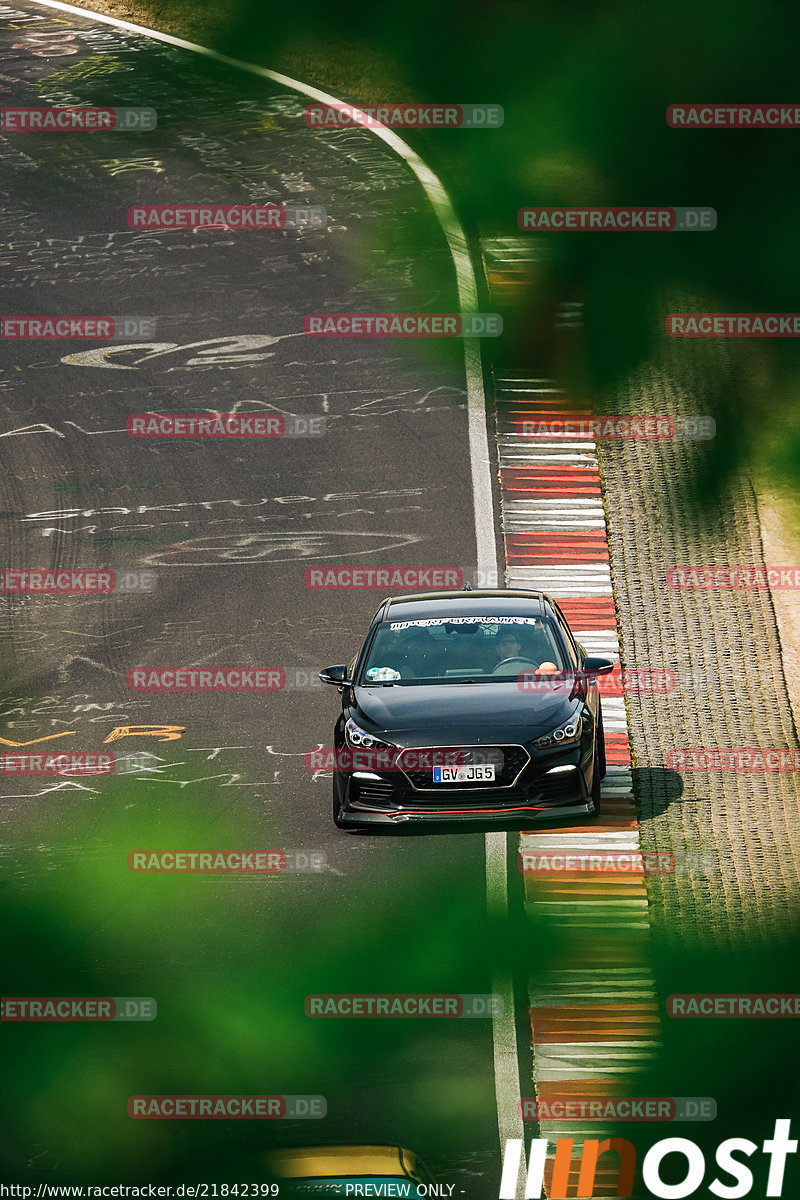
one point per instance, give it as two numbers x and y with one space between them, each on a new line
335 675
594 665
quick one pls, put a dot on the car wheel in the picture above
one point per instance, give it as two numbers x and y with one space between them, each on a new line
599 770
595 792
600 751
337 807
337 813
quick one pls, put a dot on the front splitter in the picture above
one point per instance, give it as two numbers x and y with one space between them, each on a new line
405 815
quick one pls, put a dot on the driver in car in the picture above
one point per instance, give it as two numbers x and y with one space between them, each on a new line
512 657
508 645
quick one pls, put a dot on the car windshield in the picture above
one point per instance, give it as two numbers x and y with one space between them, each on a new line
458 649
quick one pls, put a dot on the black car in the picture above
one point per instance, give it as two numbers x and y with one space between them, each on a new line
467 706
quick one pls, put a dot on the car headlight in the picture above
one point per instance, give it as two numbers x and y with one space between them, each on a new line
354 735
569 731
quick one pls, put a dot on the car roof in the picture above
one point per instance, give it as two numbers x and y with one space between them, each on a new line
320 1161
503 601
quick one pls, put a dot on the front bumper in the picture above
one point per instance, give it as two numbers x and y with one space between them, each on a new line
505 813
548 787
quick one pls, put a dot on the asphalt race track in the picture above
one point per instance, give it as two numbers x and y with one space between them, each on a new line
223 531
391 452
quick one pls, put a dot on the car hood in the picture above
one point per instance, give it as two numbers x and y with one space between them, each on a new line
453 714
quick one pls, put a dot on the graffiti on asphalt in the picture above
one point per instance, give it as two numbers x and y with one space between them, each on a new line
237 350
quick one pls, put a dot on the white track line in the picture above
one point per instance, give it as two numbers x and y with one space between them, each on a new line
506 1070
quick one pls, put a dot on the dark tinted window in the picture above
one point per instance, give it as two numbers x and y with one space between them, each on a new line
483 648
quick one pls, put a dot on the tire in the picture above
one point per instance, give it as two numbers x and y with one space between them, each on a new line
595 792
601 742
599 770
337 814
337 808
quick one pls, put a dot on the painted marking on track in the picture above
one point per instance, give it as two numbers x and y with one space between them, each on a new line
507 1089
594 1021
235 350
164 733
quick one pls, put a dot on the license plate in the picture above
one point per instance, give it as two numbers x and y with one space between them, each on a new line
464 774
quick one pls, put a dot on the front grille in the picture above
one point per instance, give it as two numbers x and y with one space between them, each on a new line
460 800
509 761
